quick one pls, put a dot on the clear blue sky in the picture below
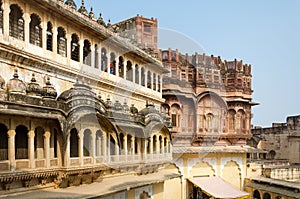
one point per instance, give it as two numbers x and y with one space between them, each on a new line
265 34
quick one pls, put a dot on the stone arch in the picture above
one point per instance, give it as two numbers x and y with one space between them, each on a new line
35 30
142 76
87 52
61 42
21 142
256 194
231 173
231 118
129 71
173 168
3 142
272 154
49 36
98 143
266 195
16 22
74 152
149 79
103 59
202 169
87 141
121 66
39 143
137 73
175 114
75 46
112 64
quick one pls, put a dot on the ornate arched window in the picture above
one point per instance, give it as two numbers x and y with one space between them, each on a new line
231 120
112 65
39 143
121 66
16 22
129 71
87 56
142 76
136 74
99 138
74 143
49 36
61 42
148 79
3 142
75 47
103 60
35 30
21 142
87 140
1 17
96 57
154 81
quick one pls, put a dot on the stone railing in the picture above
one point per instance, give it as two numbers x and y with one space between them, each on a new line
288 173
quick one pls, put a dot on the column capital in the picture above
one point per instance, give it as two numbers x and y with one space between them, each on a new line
31 134
47 134
11 133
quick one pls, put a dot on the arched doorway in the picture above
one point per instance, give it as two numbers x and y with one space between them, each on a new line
21 142
256 194
266 196
231 174
87 138
74 143
39 143
3 142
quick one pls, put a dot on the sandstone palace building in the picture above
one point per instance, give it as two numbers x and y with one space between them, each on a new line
90 109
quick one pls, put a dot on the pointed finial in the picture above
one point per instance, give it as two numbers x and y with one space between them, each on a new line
16 74
33 78
108 23
82 2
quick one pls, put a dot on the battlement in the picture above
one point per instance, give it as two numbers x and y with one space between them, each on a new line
202 60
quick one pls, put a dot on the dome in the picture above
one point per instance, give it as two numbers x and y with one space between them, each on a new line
133 109
79 89
149 109
2 82
15 85
71 3
48 90
33 88
118 106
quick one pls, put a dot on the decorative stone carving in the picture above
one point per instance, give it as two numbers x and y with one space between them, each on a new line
71 3
15 85
48 90
33 88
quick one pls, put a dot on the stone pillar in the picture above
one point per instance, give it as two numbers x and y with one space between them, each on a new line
146 78
116 152
81 43
67 152
31 149
92 149
11 149
80 147
151 147
125 146
133 73
124 69
108 62
151 80
47 136
139 142
92 55
103 145
160 84
44 35
145 149
156 83
117 67
157 145
132 145
108 147
6 11
162 146
54 44
26 27
140 75
68 43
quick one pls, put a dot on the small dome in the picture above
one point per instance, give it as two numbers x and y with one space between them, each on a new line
48 90
92 15
100 20
79 89
33 88
83 10
108 103
71 3
133 109
126 107
2 82
15 85
149 109
118 106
